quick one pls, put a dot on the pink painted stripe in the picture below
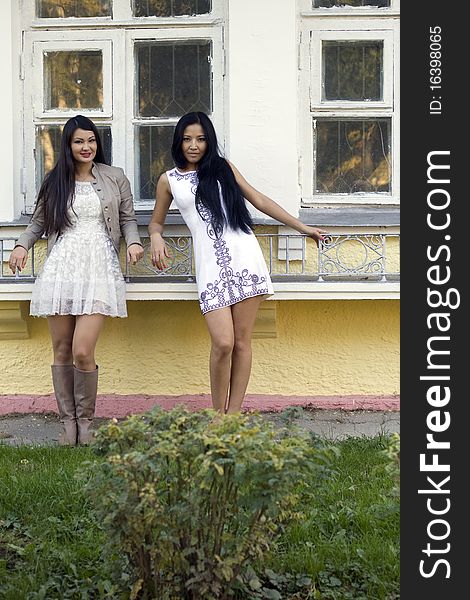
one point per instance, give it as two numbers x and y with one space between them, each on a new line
113 405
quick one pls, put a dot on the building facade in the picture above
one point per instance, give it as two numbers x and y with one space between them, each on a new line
304 95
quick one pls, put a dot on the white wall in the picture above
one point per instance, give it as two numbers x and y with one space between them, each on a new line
261 100
262 96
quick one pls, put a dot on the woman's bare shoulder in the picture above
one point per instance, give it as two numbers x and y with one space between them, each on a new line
163 184
163 179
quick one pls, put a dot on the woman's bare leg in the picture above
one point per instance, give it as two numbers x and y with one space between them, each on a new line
220 325
87 331
244 316
61 329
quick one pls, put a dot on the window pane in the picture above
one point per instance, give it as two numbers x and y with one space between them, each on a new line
331 3
173 78
48 143
153 157
352 70
73 8
171 8
352 156
73 79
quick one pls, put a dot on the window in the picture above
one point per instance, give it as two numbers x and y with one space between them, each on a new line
133 66
102 8
352 3
349 100
73 8
172 78
352 156
170 8
352 70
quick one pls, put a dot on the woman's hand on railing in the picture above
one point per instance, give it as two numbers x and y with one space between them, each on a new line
315 233
158 251
134 253
18 258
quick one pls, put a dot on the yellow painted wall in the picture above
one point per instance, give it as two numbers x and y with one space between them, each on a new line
333 347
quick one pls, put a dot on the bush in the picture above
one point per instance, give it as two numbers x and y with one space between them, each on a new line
190 499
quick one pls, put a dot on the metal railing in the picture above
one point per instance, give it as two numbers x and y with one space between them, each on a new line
290 257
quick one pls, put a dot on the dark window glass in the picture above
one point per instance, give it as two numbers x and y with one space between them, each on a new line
352 155
48 9
352 70
153 157
332 3
173 78
171 8
73 80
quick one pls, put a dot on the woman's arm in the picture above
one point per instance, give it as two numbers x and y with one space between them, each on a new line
128 221
159 251
27 239
274 210
127 218
35 228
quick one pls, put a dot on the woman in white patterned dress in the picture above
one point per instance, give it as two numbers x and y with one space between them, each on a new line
83 207
231 273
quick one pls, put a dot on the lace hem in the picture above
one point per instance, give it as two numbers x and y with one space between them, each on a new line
76 308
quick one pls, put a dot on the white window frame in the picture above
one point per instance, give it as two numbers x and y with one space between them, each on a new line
121 16
34 45
330 24
213 34
316 69
115 37
42 46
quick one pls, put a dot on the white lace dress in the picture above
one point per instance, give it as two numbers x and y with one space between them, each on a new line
82 274
229 268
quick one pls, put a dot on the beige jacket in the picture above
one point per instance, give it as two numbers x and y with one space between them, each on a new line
114 191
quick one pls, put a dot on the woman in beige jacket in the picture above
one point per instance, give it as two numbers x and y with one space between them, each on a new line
83 207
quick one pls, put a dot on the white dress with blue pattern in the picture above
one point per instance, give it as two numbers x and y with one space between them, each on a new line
229 268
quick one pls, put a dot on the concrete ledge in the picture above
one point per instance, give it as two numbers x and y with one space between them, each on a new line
331 216
113 405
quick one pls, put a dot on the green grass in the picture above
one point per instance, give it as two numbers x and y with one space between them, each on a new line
50 546
348 540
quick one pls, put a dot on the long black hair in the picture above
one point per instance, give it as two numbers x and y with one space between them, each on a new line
58 186
213 170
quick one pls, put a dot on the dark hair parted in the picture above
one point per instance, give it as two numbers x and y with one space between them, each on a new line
58 186
213 170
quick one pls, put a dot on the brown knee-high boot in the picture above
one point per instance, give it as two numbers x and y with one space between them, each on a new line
62 379
85 388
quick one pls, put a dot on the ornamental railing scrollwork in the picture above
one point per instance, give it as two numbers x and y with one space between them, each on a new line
290 257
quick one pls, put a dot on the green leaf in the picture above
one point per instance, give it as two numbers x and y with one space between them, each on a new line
218 468
255 583
272 594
